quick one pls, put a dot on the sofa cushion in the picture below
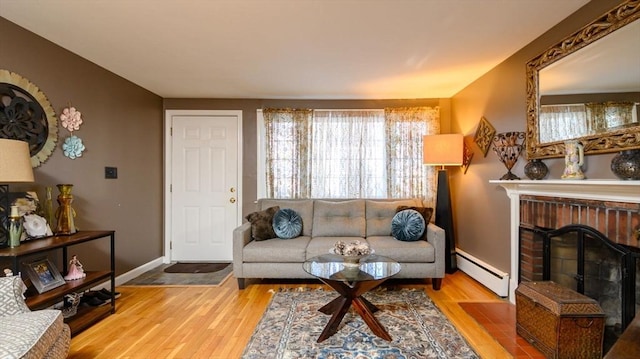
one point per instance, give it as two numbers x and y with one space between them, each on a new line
276 250
304 208
262 223
426 212
11 300
408 225
322 245
403 252
339 218
287 223
30 335
380 213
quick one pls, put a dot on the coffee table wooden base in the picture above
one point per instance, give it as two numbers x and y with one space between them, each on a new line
351 294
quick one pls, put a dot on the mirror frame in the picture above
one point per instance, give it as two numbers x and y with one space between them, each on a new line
612 141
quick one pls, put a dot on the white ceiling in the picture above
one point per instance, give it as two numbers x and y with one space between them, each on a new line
294 49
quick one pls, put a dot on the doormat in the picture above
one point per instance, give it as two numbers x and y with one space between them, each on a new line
292 323
196 267
158 277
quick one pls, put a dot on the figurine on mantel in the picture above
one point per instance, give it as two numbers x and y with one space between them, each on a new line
75 269
573 160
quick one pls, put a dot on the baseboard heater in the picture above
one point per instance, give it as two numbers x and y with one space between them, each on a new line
492 278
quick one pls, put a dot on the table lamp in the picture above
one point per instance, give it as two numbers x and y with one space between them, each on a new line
444 150
15 166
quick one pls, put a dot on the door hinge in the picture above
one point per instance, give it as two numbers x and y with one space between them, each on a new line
170 131
170 245
170 188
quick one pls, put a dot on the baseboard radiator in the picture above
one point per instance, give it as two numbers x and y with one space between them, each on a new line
492 278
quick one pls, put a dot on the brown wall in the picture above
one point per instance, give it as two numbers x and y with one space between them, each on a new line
481 208
122 128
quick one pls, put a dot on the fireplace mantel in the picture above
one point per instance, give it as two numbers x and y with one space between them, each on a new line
604 190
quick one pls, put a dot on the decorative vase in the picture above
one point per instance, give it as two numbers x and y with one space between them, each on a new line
47 209
65 213
536 169
15 227
626 165
573 160
508 149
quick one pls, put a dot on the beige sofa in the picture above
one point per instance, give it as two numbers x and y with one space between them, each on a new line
326 221
29 334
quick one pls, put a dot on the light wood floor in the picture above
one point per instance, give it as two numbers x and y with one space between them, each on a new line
217 322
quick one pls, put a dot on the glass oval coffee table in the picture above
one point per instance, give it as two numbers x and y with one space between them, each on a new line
351 281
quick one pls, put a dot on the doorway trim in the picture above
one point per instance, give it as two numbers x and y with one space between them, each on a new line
167 150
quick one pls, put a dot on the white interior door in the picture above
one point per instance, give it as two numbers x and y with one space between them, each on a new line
204 184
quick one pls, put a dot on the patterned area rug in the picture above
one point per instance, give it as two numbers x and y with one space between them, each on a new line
292 324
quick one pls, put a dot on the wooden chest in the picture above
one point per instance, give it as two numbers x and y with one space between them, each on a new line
558 321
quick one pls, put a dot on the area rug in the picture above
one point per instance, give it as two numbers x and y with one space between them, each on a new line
292 324
196 267
158 277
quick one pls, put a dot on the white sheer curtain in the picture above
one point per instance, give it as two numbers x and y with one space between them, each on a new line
406 174
348 153
561 122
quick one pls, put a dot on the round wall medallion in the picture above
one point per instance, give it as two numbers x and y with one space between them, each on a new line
27 115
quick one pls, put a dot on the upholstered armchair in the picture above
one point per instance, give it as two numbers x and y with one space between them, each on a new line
29 334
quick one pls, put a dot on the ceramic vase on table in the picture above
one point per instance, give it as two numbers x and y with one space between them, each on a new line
508 148
15 227
65 214
573 160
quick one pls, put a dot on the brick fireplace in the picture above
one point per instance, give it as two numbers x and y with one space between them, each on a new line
619 221
610 206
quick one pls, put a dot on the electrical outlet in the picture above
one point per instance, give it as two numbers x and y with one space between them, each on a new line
111 172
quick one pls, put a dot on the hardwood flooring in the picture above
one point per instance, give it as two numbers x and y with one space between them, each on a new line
217 322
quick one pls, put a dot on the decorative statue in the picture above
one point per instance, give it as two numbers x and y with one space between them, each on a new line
573 160
75 270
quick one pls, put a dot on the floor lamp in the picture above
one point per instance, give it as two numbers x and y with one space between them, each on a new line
15 166
444 150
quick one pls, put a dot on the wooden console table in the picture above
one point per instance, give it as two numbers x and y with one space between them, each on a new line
86 316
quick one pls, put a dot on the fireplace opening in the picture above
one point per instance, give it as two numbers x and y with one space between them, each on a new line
583 259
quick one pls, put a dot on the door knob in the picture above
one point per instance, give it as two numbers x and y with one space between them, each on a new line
232 200
232 190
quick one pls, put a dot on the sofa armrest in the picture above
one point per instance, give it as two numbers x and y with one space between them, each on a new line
241 237
435 236
11 299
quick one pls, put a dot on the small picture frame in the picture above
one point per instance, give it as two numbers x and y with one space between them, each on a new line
44 275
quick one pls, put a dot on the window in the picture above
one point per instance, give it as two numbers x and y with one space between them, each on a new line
344 153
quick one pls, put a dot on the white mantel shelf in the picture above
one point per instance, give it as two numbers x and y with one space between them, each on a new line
594 189
610 190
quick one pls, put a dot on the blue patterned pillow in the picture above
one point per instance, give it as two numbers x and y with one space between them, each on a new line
287 223
407 225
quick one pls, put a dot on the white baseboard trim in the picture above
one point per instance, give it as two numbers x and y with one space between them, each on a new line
492 278
125 277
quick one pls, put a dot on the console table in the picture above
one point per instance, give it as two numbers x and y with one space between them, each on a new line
86 316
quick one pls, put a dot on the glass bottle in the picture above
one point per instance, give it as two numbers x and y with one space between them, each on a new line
47 209
15 227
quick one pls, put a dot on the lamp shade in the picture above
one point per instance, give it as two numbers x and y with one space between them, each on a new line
442 150
15 161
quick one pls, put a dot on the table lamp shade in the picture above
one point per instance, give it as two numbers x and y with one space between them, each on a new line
442 150
15 161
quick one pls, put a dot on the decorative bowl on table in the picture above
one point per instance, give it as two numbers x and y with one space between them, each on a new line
352 252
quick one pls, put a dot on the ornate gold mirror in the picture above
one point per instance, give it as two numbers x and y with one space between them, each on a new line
587 87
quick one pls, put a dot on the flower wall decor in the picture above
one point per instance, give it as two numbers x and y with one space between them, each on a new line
71 119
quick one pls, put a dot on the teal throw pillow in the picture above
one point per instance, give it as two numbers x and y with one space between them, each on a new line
287 223
407 225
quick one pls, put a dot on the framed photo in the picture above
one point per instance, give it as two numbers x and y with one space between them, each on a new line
44 275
